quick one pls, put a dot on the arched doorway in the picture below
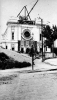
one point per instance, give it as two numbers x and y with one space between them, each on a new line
27 50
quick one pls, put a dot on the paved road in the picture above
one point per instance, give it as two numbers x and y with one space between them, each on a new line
29 86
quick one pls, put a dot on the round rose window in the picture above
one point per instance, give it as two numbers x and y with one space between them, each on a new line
27 34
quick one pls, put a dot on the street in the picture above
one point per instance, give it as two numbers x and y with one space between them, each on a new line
28 50
29 86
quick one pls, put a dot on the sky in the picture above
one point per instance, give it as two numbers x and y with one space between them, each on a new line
47 10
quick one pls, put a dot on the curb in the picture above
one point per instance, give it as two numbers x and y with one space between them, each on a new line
34 71
49 64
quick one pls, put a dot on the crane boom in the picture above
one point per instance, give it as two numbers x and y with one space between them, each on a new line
25 17
20 11
32 7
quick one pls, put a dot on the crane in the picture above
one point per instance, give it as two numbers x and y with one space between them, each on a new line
26 16
32 7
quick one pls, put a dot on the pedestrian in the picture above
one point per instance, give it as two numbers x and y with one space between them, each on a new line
32 52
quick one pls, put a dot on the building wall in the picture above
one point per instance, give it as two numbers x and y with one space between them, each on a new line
8 46
18 29
19 32
15 33
3 44
55 43
8 37
16 46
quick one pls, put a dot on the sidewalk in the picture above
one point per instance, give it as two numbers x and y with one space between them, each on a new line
52 62
46 65
49 64
38 67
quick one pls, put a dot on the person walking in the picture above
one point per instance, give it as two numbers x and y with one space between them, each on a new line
32 52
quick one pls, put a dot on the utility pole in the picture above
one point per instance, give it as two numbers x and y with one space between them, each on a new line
53 46
42 37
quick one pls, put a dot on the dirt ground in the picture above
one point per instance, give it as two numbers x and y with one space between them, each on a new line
16 85
28 86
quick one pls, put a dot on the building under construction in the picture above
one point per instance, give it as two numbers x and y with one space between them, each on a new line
22 32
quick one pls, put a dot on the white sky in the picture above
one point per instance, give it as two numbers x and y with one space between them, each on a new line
47 10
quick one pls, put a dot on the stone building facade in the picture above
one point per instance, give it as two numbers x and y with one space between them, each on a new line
19 36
